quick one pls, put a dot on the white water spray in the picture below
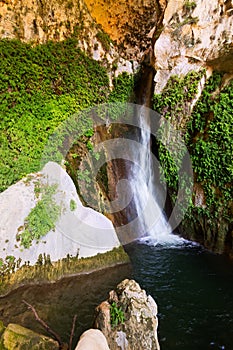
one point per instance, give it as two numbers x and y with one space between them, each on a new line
149 199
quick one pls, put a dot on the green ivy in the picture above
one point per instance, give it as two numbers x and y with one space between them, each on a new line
208 135
40 87
211 143
172 104
123 87
41 219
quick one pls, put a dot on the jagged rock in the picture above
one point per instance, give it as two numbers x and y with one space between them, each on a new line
139 330
196 34
41 21
19 338
93 339
78 230
127 22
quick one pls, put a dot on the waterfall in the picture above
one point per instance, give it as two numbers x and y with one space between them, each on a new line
149 195
134 197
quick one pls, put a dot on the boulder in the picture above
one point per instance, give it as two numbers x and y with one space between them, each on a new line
19 338
137 328
93 339
78 230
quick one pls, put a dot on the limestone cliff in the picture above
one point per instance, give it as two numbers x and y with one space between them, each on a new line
195 34
188 34
127 22
38 21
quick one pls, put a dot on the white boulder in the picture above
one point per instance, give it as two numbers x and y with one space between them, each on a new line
78 230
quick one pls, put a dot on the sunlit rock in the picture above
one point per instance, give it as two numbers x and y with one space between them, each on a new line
195 34
78 231
18 337
137 330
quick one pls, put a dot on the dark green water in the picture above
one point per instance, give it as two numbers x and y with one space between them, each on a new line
57 303
194 292
192 287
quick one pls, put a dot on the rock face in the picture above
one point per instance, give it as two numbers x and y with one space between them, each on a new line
195 34
40 21
186 35
18 338
118 19
139 329
37 22
78 230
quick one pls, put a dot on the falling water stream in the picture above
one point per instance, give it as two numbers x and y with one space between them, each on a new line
149 192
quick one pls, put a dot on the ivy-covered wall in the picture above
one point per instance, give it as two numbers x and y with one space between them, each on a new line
208 134
40 87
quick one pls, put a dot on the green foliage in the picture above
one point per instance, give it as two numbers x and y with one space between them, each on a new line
177 92
89 145
89 133
73 205
172 105
123 88
40 87
104 39
117 315
41 219
190 5
211 143
84 176
208 135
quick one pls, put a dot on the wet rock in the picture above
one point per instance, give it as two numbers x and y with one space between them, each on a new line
139 329
19 338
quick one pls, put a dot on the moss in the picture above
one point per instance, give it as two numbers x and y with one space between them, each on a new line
73 205
20 338
2 328
45 271
190 5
